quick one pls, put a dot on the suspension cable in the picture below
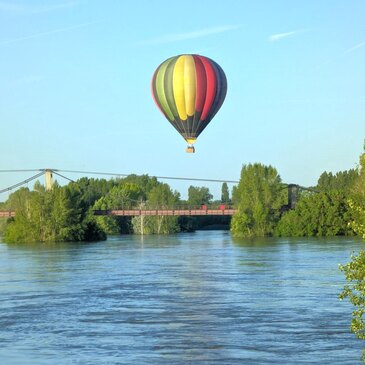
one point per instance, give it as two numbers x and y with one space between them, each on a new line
157 177
56 173
29 170
22 182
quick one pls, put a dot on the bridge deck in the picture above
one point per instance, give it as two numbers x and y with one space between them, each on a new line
7 213
165 212
148 212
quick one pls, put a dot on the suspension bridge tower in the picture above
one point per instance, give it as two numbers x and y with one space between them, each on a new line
48 173
293 191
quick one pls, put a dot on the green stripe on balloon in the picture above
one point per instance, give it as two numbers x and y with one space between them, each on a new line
168 88
160 90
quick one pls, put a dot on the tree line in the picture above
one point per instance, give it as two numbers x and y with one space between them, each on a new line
326 209
65 213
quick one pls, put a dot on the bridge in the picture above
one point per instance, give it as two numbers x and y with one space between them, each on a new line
148 212
222 210
167 212
7 213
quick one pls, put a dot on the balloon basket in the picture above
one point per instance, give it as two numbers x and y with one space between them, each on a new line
190 149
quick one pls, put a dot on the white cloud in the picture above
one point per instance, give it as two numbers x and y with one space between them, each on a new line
42 34
279 36
10 7
357 46
170 38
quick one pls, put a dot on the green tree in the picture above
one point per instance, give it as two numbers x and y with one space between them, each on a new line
17 199
258 198
355 274
125 195
225 194
354 290
93 189
198 196
317 214
341 181
145 182
354 270
159 197
50 216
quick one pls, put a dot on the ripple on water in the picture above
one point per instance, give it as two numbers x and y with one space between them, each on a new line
190 298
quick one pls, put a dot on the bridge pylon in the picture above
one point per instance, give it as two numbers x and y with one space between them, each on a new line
48 173
293 192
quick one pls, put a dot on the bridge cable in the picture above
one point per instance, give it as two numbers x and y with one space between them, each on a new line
29 170
157 177
56 173
22 182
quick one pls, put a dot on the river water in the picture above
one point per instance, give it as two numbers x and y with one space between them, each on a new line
198 298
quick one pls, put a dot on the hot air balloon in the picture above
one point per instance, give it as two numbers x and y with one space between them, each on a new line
189 90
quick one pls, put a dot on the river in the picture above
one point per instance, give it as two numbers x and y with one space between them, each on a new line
198 298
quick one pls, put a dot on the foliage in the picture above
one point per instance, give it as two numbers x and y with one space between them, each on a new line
125 195
50 216
67 213
3 222
225 194
357 200
317 214
145 182
354 291
354 270
198 196
17 199
358 213
341 181
159 197
258 198
93 189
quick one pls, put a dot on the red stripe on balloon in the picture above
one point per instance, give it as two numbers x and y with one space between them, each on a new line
201 84
210 88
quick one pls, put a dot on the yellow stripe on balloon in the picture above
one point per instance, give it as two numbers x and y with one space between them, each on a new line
189 85
190 140
178 87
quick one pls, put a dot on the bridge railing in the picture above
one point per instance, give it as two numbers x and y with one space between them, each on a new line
7 213
212 209
173 211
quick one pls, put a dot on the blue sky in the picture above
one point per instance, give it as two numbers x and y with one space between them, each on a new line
75 87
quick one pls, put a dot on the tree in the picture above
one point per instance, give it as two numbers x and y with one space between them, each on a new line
225 194
355 274
125 195
341 181
51 216
145 182
318 214
159 197
198 196
258 198
354 270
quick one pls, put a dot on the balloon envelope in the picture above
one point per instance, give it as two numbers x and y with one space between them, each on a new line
189 90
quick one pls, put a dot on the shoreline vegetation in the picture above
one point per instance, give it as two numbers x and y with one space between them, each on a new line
334 207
